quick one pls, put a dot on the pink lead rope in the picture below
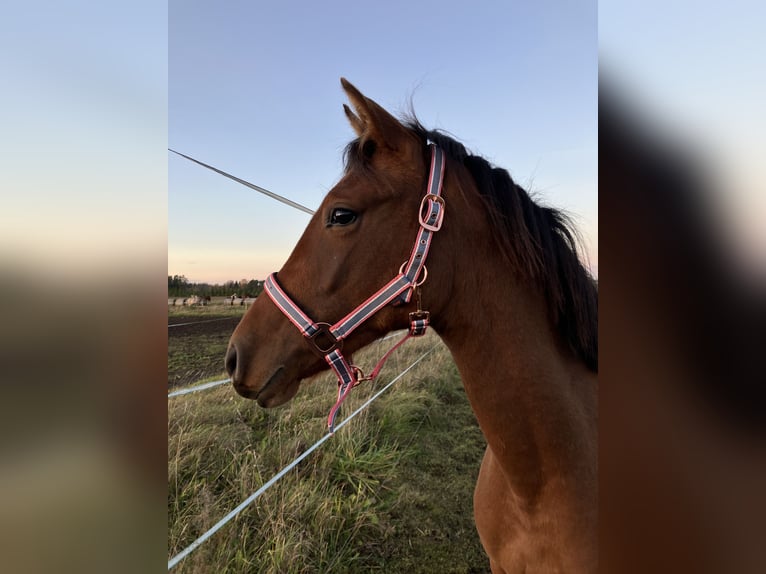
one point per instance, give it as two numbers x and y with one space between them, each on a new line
327 340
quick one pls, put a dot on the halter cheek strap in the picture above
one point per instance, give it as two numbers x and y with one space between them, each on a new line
327 340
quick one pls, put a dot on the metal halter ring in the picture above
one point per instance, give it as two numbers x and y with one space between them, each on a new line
417 283
323 329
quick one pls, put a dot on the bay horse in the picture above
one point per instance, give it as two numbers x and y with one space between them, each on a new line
504 289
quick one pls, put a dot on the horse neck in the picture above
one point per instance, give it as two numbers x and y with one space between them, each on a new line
534 401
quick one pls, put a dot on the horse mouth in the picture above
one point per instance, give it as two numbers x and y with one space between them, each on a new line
277 390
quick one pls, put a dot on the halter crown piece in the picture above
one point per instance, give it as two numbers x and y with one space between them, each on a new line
327 340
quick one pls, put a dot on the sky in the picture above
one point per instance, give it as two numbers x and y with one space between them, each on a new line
83 118
99 91
254 90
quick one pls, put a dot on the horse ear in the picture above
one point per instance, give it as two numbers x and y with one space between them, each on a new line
371 120
355 122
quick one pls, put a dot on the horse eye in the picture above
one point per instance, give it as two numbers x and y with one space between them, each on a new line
341 216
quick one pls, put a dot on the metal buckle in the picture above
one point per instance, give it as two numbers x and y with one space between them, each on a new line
324 329
440 217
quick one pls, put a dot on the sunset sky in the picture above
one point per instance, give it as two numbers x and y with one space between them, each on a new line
255 91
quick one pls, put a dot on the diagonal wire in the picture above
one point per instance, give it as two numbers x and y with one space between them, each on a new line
200 387
210 385
188 550
257 188
200 322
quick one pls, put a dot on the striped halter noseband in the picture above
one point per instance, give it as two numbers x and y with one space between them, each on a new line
327 340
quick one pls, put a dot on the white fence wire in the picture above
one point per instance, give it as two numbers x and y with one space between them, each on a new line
250 499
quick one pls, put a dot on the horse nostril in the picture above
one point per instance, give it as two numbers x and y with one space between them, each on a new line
231 360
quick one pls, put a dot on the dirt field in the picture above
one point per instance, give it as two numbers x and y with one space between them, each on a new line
197 344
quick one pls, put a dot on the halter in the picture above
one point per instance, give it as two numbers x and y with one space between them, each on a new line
327 340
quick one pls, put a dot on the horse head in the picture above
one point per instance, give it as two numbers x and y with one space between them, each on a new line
356 241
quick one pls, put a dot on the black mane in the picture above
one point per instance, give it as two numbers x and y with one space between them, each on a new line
538 241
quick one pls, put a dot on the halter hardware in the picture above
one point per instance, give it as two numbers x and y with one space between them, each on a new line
324 329
416 283
399 290
359 375
435 217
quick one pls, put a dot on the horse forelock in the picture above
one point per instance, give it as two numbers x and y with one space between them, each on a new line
353 156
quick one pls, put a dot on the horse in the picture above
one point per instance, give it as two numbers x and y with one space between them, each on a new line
503 287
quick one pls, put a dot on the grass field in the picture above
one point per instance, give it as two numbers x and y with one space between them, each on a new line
390 492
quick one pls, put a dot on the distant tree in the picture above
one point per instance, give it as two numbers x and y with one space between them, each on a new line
254 287
180 286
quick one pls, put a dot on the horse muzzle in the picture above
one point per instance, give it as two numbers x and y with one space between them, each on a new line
259 369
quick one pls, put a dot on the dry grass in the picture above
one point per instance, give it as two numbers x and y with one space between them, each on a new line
390 492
